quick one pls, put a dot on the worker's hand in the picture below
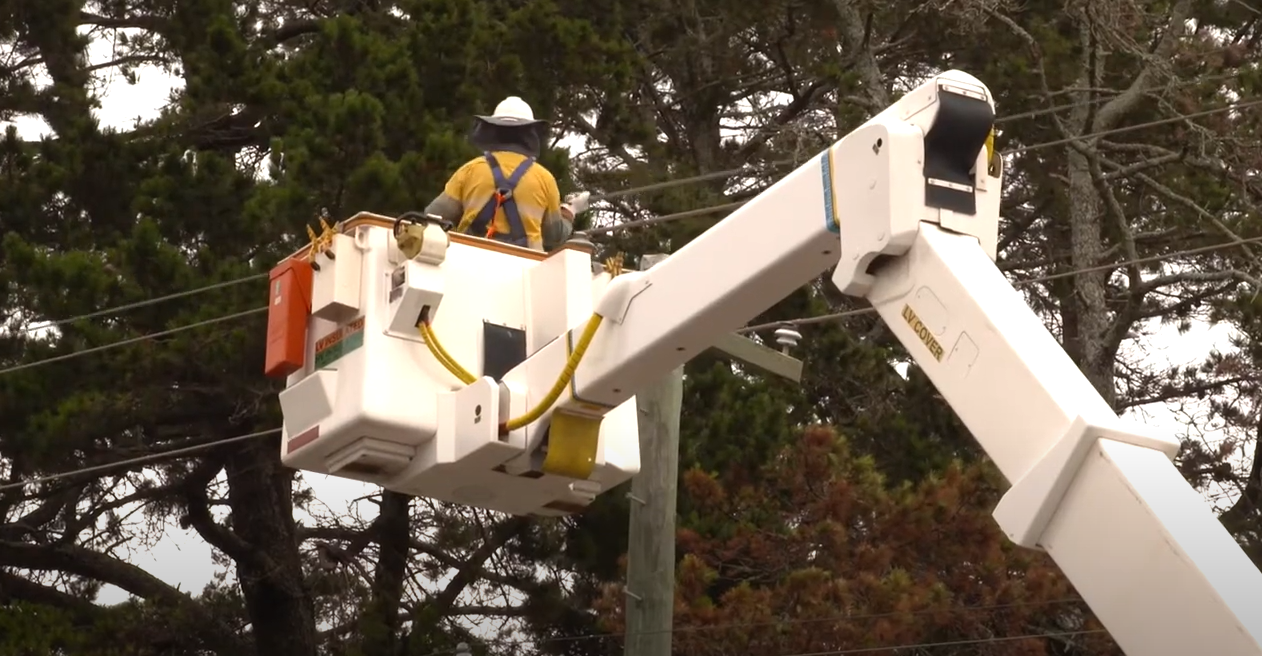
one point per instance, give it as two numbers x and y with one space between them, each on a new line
576 203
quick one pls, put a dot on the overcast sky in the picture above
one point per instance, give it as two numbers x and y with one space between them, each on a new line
183 559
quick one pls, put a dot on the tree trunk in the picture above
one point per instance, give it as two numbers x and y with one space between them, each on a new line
1087 321
261 498
380 622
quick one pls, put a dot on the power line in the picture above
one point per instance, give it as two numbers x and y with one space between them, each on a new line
1100 101
825 318
687 214
795 621
748 329
188 450
596 197
952 643
129 341
887 647
196 448
704 177
145 303
798 621
666 218
757 168
663 219
1137 126
849 617
139 460
1013 151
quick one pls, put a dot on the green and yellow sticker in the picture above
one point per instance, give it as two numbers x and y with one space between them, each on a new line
345 339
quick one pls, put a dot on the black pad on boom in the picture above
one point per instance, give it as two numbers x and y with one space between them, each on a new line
957 135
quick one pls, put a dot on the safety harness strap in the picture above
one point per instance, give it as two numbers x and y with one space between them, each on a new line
484 223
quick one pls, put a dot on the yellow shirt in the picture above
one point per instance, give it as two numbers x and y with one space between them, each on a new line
537 195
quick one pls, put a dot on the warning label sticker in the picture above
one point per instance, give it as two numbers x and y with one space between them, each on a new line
345 339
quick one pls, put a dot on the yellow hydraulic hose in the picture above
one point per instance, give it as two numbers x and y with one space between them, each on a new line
444 358
558 387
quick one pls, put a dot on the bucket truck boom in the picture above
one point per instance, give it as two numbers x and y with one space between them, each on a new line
907 208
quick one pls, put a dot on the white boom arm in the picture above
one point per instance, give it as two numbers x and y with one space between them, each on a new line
907 207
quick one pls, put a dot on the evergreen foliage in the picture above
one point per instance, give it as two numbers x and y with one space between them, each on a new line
857 493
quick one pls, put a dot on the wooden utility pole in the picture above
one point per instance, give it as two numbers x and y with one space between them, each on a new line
650 588
650 585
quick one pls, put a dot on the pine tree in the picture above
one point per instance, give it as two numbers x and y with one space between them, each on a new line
823 553
345 109
288 110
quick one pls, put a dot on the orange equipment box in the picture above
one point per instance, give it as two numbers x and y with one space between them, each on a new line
289 307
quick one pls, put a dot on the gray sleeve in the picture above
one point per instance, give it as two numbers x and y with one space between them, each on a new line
447 207
556 231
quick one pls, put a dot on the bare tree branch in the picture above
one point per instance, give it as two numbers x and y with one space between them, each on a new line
1113 111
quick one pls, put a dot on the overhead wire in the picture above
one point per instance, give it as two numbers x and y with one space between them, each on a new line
869 650
849 617
715 209
826 318
1138 126
666 218
168 454
759 168
611 228
748 329
667 184
860 650
951 643
144 303
158 456
799 621
197 448
129 341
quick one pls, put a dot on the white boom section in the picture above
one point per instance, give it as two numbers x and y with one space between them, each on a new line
1099 494
907 206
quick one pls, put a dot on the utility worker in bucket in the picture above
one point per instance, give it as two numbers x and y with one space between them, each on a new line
505 194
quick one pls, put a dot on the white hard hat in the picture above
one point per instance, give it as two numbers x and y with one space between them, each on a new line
512 111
